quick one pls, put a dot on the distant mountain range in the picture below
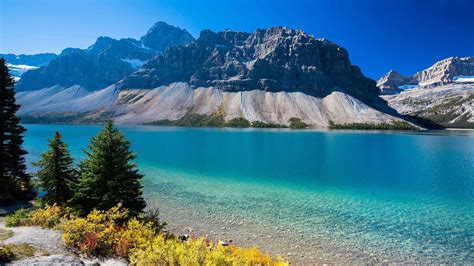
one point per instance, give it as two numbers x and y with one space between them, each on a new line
442 94
105 62
19 64
269 76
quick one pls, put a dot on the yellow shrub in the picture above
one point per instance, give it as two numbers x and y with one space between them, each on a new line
198 252
97 233
109 233
49 216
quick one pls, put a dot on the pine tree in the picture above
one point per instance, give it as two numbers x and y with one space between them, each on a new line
56 173
15 182
109 176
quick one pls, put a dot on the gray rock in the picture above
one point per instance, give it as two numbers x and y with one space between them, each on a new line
50 260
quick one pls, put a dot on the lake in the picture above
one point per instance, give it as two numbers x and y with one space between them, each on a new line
310 196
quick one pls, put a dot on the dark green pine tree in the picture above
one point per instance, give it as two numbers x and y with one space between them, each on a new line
56 172
14 181
109 176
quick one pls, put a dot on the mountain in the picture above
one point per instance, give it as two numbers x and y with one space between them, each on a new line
19 64
105 62
393 83
274 59
178 101
162 36
442 94
270 76
447 71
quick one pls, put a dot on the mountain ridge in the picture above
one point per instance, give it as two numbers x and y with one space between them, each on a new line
104 62
273 59
442 94
267 76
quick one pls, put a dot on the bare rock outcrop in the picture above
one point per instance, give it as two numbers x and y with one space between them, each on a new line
274 59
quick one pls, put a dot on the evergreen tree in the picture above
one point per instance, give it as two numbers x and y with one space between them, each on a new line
108 175
56 173
14 181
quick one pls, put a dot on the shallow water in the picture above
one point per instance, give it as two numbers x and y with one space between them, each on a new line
308 195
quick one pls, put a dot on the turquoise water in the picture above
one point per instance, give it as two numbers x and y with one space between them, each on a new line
309 195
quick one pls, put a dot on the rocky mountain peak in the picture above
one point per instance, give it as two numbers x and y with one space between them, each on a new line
106 61
210 38
446 71
234 37
393 82
273 59
163 35
100 44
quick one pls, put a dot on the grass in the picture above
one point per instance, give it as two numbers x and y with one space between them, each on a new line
395 125
5 234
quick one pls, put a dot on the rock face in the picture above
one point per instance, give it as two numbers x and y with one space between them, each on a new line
393 82
447 71
105 62
275 59
162 36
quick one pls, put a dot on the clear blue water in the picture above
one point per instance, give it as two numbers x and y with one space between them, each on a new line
337 196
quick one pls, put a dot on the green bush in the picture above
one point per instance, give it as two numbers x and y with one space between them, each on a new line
18 218
238 122
194 120
260 124
395 125
296 123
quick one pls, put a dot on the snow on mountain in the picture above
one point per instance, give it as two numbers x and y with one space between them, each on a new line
449 70
461 79
17 70
135 63
408 87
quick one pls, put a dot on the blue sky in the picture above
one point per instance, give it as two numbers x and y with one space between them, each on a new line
405 35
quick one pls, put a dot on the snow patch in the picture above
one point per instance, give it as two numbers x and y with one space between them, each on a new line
135 63
18 70
461 79
408 86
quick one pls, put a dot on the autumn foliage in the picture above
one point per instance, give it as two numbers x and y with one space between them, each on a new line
113 233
